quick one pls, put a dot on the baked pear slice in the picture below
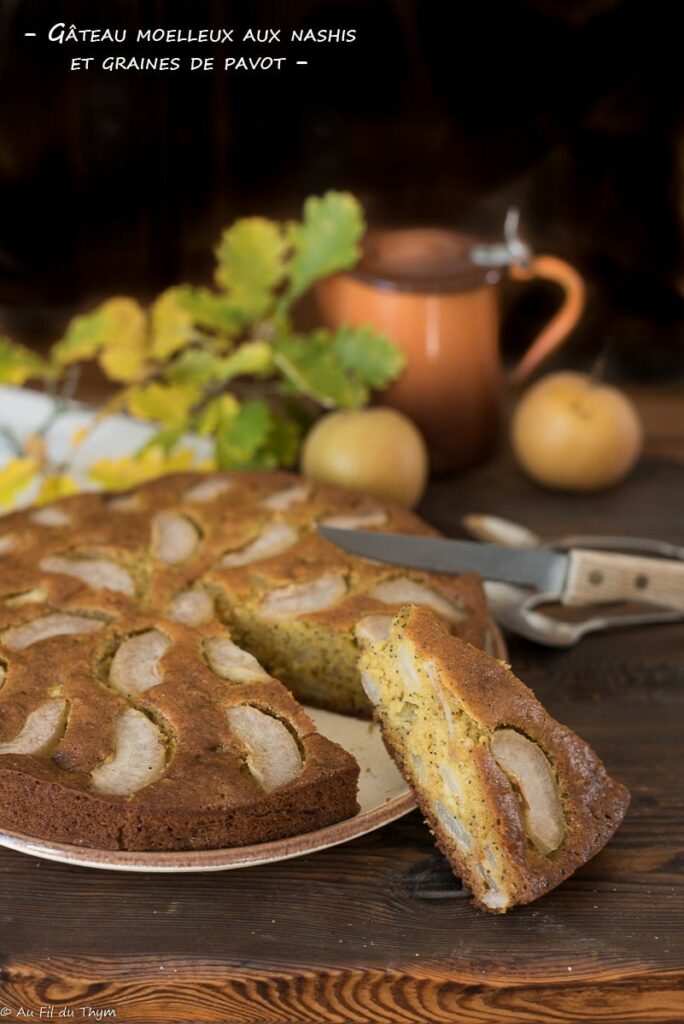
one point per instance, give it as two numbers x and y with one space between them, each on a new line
516 801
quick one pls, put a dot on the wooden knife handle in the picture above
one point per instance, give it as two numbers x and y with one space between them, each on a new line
595 577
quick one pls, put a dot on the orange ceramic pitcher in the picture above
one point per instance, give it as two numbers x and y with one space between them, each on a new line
434 293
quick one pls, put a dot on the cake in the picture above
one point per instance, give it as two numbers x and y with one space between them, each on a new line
516 800
141 733
151 643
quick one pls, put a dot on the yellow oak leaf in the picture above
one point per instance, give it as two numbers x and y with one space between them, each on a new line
84 337
251 264
15 475
219 410
122 364
19 364
167 403
171 324
115 331
54 486
124 354
131 470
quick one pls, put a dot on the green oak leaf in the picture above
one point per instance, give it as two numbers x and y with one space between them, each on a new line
19 364
253 358
166 439
298 409
194 366
209 310
84 337
311 366
242 437
326 240
284 441
371 357
250 264
199 367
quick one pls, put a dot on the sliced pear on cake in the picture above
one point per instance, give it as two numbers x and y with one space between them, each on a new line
403 590
304 598
281 501
135 667
192 608
42 729
230 662
208 490
361 519
139 756
50 515
272 753
273 540
17 638
174 538
94 572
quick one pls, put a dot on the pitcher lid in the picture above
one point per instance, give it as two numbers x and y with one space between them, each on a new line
424 259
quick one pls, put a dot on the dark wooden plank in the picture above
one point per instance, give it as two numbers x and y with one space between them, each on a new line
379 930
648 504
140 991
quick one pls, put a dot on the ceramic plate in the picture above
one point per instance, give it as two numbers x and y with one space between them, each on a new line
383 793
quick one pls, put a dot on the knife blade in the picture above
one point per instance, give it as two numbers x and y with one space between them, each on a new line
539 568
577 577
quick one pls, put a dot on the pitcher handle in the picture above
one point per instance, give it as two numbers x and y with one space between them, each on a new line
553 269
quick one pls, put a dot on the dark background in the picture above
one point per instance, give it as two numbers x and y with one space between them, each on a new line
442 112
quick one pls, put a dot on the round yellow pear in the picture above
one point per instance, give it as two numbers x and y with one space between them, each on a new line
378 451
572 432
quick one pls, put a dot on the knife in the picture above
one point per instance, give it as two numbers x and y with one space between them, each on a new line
579 576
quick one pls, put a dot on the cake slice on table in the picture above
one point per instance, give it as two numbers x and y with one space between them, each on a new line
516 801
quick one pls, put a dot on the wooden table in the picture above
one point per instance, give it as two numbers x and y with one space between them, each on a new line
379 930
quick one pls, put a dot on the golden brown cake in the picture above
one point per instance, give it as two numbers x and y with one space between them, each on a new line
129 716
140 733
516 800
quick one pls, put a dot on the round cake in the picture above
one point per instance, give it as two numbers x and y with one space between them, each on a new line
154 646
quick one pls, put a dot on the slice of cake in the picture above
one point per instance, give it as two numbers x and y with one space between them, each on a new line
515 800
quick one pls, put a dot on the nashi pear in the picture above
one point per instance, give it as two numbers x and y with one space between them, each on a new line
574 433
377 451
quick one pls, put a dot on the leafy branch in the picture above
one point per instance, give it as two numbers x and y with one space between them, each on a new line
186 362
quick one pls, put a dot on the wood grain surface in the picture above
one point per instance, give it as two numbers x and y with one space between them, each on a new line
379 930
